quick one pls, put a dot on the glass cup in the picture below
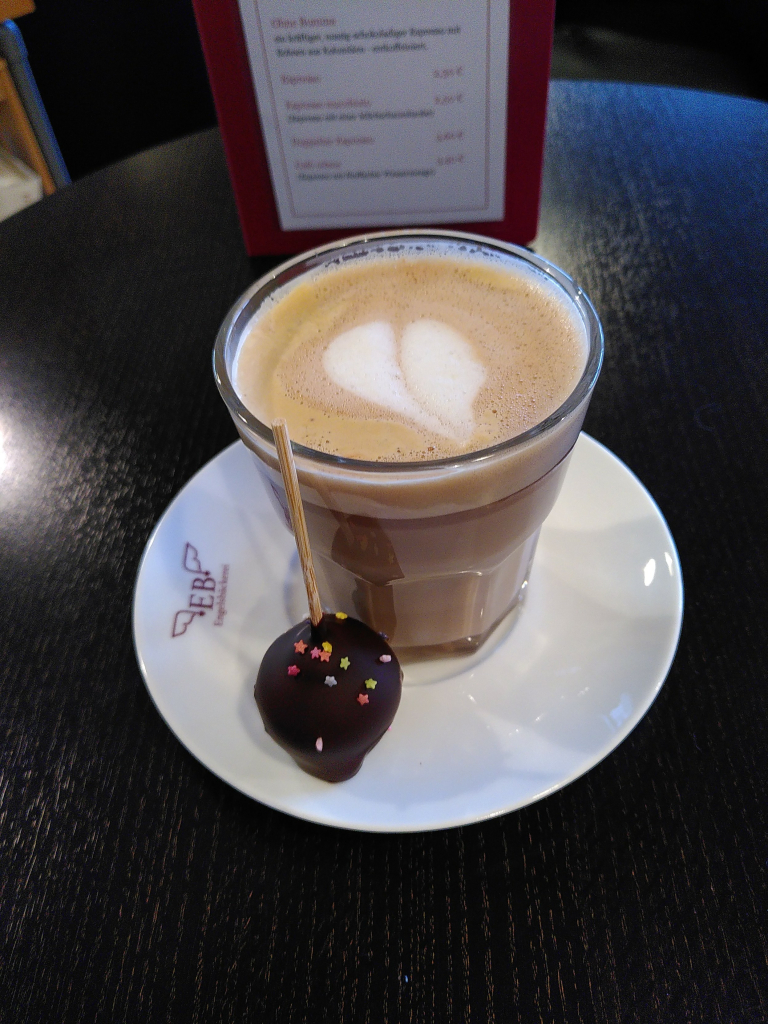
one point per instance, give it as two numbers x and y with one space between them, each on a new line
435 555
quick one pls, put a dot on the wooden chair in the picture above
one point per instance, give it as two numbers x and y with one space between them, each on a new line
16 133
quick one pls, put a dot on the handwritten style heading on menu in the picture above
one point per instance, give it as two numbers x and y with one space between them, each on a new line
381 112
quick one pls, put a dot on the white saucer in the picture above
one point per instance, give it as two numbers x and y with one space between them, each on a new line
587 655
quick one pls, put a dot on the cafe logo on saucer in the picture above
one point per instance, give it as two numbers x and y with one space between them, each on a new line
207 595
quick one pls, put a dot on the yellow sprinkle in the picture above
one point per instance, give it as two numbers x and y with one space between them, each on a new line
344 663
341 615
327 647
370 684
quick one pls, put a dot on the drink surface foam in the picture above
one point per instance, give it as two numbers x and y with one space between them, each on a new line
411 356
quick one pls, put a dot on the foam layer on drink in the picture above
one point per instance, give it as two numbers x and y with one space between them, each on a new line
412 355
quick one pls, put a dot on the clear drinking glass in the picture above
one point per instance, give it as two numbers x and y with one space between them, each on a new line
433 554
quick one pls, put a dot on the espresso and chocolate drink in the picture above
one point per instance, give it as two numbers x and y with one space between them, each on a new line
412 357
434 387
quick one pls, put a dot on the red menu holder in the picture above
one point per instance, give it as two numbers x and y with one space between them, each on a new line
223 40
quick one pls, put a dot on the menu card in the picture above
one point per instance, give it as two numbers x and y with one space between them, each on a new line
378 112
349 114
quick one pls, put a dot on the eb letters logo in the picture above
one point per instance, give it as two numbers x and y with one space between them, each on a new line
205 593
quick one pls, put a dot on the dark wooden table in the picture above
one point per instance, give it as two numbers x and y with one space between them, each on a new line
134 885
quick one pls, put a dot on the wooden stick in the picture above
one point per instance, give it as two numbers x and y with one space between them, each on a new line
298 522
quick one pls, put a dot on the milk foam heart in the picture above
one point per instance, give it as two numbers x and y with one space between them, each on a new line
433 382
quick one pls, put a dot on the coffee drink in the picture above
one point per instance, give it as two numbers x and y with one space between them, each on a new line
412 356
434 386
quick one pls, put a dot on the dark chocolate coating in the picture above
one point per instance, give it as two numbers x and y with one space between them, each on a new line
297 710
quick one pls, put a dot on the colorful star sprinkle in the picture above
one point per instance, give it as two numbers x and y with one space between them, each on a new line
326 646
330 681
344 663
319 743
325 655
385 658
362 698
299 647
315 652
341 615
370 684
293 670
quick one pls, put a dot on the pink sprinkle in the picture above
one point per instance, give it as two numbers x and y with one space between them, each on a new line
362 698
319 743
293 670
315 652
385 658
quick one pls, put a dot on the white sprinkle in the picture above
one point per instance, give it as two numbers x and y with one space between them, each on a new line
385 657
330 680
319 743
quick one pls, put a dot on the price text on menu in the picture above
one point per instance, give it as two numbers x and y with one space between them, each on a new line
381 112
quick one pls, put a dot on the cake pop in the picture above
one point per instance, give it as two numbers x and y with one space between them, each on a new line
328 688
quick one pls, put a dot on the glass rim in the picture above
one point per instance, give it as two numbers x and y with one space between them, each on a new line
308 260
